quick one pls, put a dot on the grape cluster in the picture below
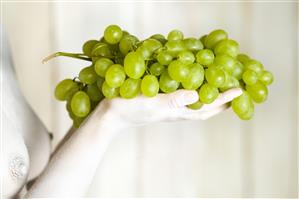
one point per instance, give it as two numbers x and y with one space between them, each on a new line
122 65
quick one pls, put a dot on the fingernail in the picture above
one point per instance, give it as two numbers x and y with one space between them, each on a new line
190 97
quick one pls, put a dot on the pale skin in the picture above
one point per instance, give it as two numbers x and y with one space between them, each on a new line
79 156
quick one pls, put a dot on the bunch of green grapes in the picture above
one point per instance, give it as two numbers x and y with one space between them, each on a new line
123 66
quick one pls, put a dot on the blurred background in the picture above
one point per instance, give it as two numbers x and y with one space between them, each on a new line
221 157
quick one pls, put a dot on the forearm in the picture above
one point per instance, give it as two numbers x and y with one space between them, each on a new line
72 167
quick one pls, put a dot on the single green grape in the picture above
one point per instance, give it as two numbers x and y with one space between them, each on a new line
88 75
152 44
94 93
186 57
144 52
101 66
167 84
65 89
134 65
175 47
238 70
164 58
258 92
255 66
214 37
113 34
156 69
205 57
115 75
225 62
109 92
215 76
160 38
178 71
149 86
228 47
242 104
193 44
80 104
250 77
195 106
101 50
207 93
130 88
243 58
127 44
266 77
88 46
195 77
175 35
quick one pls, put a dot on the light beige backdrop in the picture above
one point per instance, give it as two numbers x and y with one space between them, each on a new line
221 157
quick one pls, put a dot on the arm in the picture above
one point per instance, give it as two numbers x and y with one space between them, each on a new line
73 166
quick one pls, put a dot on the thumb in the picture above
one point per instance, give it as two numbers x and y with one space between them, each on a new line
180 98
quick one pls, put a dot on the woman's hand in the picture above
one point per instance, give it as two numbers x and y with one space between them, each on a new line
123 113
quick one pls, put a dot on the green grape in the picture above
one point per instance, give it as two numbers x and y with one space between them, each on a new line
242 104
130 88
144 52
205 57
215 76
175 47
94 92
254 65
195 106
87 75
65 89
214 37
228 47
88 46
195 77
160 38
178 71
164 58
238 70
243 58
113 34
266 77
167 84
225 62
202 39
230 82
193 44
207 93
100 82
80 104
101 66
134 65
249 77
249 114
150 86
127 44
109 92
152 44
101 50
258 92
156 69
77 121
175 35
115 75
186 57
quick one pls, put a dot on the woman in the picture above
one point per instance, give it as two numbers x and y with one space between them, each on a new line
69 171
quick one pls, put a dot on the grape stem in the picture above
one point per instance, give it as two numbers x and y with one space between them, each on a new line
73 55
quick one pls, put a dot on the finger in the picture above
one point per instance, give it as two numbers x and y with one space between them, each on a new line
207 114
178 99
222 99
